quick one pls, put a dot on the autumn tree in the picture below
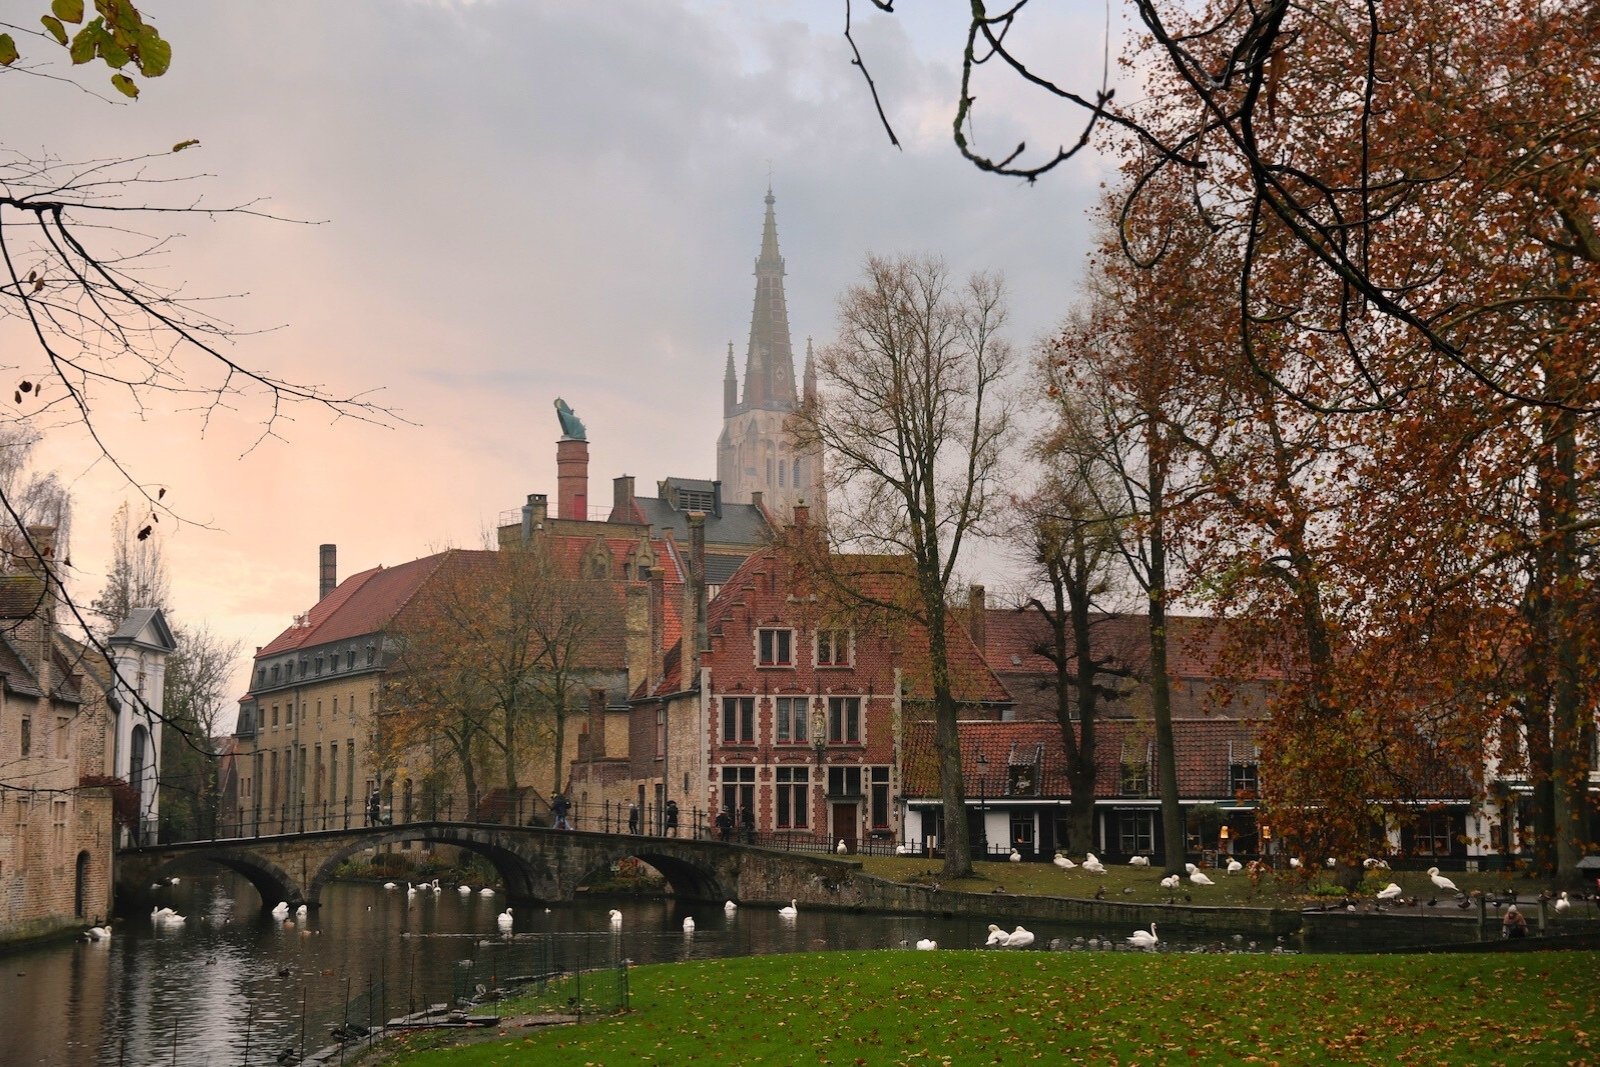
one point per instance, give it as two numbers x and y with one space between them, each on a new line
912 416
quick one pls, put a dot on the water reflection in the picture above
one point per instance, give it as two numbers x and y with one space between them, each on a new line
230 985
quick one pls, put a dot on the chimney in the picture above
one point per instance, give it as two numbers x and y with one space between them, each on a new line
533 516
38 559
597 723
755 499
695 596
802 515
977 616
622 498
658 627
327 570
639 635
572 479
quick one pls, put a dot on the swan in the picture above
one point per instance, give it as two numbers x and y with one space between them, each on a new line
300 912
1139 861
411 890
901 850
464 890
281 910
1015 857
1093 866
927 944
1374 864
791 911
434 885
1019 938
1332 863
997 936
1234 866
1389 892
1144 938
486 892
390 885
841 849
616 919
1199 878
1061 861
1562 903
503 920
688 924
729 908
99 933
1441 881
1189 868
1294 862
1171 881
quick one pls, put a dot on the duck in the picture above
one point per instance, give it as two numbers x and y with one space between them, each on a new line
1440 881
503 920
281 910
792 911
616 919
688 924
1019 938
1015 857
1199 878
1144 938
841 848
997 936
927 944
729 907
1138 861
1390 891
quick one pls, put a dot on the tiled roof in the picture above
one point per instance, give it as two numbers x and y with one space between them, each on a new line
1198 647
739 524
1202 745
19 677
21 595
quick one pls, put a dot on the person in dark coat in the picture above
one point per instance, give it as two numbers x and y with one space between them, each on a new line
747 824
374 808
724 825
559 806
672 818
633 817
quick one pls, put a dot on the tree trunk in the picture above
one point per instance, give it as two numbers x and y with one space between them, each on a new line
1173 838
957 842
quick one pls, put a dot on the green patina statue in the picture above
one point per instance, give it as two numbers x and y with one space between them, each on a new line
571 425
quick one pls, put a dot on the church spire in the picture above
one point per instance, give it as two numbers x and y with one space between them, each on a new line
809 388
769 360
730 387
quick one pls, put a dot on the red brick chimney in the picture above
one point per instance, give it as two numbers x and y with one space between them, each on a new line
977 616
327 570
572 479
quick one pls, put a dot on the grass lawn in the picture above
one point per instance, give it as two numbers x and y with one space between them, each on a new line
1140 885
969 1007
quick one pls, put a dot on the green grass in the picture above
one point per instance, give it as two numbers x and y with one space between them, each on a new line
1277 889
1124 1008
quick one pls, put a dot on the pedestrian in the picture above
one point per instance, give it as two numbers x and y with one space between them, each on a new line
1515 924
747 823
374 808
724 823
633 817
559 806
672 818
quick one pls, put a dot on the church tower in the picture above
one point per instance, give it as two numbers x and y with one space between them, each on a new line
755 453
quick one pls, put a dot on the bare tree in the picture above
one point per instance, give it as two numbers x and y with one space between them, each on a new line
138 577
913 420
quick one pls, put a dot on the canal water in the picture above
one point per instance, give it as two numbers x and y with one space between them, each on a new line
232 986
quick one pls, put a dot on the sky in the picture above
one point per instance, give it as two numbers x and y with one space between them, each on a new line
495 204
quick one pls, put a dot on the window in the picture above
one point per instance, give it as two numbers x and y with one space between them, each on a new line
1434 834
791 720
793 798
333 771
274 716
371 652
27 736
261 676
783 469
274 674
773 648
844 720
319 709
288 714
738 720
1135 778
61 737
844 782
1136 833
695 500
58 816
319 664
350 767
1021 780
661 732
1022 832
350 660
335 706
738 790
833 648
1244 778
879 809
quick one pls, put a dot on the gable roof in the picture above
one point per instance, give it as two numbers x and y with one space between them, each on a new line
362 604
146 627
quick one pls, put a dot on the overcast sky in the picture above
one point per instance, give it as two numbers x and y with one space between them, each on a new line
516 202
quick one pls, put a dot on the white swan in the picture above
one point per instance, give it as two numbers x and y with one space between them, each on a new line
997 936
1015 857
98 933
390 885
281 910
1294 862
1144 938
1440 881
841 849
616 919
729 908
1093 866
1389 892
1234 866
1139 861
486 892
434 885
901 850
927 944
1562 903
1171 881
1019 938
411 890
791 911
1063 862
688 924
300 912
1199 878
464 890
503 920
1332 863
1189 868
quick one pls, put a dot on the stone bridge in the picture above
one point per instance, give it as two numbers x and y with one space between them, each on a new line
536 864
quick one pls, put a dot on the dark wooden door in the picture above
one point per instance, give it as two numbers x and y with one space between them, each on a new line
844 825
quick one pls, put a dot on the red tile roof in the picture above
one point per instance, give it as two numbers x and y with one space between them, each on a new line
362 604
1198 647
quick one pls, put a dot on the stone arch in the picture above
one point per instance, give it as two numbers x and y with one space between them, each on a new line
690 880
507 861
272 883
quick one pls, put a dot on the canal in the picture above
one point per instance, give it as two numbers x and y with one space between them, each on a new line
232 986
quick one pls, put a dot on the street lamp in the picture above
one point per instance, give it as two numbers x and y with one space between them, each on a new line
983 811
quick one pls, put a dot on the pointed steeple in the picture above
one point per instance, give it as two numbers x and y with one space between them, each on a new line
730 387
769 360
809 388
